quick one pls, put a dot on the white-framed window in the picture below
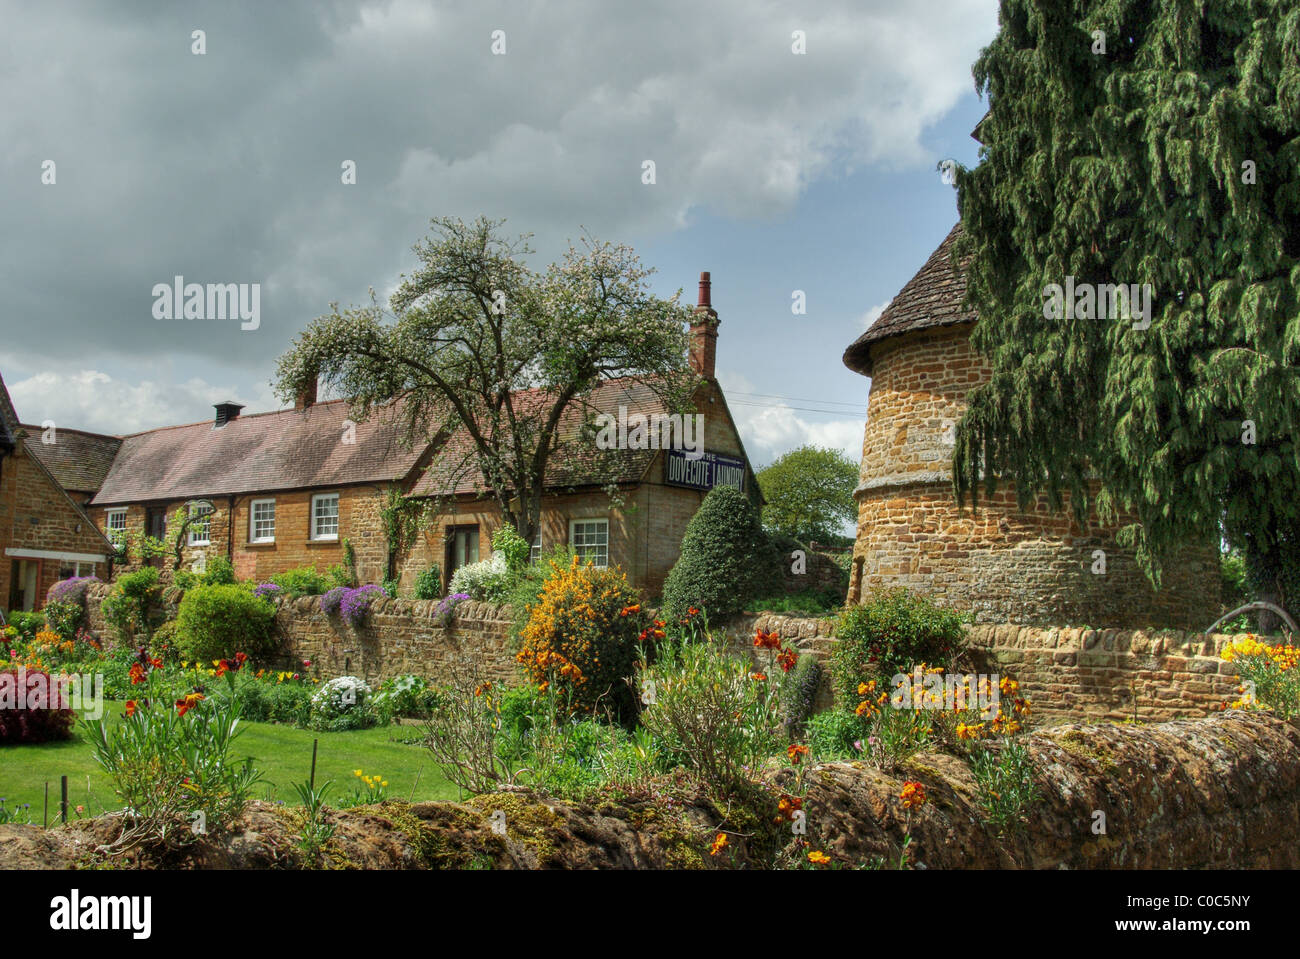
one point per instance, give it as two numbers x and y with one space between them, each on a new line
115 526
535 553
590 540
84 569
200 529
325 516
261 521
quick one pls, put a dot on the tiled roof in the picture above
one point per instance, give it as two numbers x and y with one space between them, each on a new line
577 462
79 461
931 298
290 449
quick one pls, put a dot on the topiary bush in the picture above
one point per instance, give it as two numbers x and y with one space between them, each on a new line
216 622
798 692
889 634
581 637
726 560
35 722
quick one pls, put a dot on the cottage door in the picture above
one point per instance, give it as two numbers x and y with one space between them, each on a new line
462 548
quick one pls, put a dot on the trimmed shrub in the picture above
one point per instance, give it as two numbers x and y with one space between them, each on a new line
889 634
428 582
36 722
726 560
264 701
216 622
487 581
581 637
342 704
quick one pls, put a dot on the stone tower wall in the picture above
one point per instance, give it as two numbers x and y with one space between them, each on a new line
1001 564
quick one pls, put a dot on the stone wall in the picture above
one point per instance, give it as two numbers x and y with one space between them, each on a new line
399 637
1066 673
1001 564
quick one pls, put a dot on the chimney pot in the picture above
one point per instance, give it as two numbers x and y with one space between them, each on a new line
704 331
705 284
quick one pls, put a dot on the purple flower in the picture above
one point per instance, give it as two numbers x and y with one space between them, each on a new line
71 590
446 610
329 602
354 607
267 591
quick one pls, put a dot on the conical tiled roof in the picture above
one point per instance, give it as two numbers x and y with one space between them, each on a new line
931 298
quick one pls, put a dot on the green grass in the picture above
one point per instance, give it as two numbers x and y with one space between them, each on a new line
282 753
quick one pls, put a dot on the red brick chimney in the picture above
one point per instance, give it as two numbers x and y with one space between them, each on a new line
704 332
306 397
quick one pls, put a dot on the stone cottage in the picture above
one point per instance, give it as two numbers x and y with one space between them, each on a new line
999 563
273 491
45 535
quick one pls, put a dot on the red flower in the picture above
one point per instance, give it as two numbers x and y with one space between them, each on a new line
786 659
795 752
137 674
130 708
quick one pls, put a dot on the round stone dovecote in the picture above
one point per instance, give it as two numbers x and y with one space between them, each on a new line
999 563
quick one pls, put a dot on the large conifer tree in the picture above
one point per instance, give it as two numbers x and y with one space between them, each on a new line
1142 142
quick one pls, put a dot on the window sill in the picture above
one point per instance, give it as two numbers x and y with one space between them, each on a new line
265 544
323 542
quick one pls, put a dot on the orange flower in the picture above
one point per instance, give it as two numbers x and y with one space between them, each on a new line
719 844
764 640
913 795
137 674
787 659
183 706
795 752
818 858
130 708
758 677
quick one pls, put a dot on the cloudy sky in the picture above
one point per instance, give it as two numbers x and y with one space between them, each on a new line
775 171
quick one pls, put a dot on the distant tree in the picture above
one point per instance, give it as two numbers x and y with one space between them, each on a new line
478 342
809 494
1153 143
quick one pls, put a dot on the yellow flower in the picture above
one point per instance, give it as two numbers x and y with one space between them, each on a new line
818 858
356 772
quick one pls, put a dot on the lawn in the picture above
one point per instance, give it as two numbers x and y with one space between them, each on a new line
282 753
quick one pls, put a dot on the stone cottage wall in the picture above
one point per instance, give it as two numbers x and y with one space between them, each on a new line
1001 564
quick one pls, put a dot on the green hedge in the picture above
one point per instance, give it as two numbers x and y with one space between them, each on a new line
726 561
215 622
